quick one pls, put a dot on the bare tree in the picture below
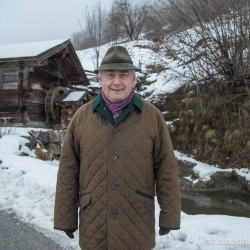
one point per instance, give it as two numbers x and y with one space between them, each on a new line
216 49
93 27
113 30
81 41
130 17
166 17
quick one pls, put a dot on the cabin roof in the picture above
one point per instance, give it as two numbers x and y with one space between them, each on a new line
38 53
29 50
73 96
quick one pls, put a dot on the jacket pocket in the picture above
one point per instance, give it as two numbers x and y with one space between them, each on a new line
85 200
145 214
144 200
149 196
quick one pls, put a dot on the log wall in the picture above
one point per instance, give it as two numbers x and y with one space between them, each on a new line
22 95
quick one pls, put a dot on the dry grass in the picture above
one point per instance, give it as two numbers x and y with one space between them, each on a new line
214 124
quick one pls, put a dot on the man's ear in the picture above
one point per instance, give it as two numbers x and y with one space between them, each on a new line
135 79
100 79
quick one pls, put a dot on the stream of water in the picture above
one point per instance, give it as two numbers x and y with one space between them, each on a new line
224 203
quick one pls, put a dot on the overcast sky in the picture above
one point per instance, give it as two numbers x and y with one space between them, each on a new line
40 20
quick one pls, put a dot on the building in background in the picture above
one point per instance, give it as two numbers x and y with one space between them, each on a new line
33 76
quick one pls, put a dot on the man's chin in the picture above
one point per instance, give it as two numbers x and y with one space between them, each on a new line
116 97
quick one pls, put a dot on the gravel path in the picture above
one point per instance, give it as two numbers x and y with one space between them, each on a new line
16 235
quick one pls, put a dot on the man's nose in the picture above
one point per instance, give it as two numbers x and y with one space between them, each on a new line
117 79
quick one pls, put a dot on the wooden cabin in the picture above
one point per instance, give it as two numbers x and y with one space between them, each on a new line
69 103
32 77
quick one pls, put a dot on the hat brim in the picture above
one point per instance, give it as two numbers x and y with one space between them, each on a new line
117 66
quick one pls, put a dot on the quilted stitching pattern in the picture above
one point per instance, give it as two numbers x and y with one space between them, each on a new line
116 217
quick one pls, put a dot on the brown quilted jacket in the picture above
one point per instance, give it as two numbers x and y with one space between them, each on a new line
111 171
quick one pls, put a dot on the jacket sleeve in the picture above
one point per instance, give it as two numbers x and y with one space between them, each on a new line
166 177
67 187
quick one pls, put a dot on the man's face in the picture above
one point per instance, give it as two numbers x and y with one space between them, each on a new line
116 84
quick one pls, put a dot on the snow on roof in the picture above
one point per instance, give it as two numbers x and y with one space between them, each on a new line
74 96
27 49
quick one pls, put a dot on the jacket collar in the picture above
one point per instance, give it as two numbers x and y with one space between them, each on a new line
136 102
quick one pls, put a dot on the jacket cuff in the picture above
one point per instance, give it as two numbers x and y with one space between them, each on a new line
70 230
163 228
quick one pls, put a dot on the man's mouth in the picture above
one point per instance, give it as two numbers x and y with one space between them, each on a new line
117 90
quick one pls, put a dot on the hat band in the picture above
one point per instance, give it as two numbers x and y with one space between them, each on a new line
117 61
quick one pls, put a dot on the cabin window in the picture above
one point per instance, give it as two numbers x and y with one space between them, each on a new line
1 78
8 79
10 85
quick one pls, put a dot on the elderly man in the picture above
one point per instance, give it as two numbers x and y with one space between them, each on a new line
117 152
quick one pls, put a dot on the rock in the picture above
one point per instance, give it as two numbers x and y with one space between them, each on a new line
54 150
43 137
53 137
46 144
47 137
41 154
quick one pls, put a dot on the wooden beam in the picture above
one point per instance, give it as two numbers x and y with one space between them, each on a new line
29 63
74 79
52 72
38 76
58 62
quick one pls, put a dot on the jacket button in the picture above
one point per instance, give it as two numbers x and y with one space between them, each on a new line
113 215
115 130
114 186
114 157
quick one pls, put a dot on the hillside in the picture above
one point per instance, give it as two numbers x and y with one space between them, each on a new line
163 85
212 127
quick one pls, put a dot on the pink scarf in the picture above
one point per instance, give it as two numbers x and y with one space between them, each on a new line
117 107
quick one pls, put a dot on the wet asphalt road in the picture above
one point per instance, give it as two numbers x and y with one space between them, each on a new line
16 235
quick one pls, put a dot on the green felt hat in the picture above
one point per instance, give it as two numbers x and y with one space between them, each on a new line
116 58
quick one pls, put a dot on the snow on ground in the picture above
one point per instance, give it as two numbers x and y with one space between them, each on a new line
205 170
27 187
